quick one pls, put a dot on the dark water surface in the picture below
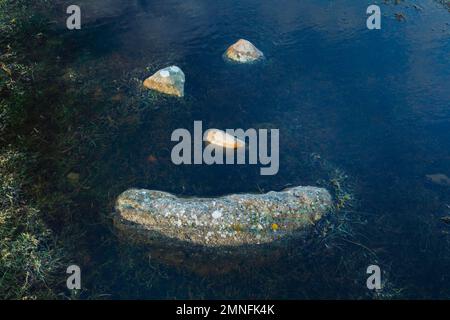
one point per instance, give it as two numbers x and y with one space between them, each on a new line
374 105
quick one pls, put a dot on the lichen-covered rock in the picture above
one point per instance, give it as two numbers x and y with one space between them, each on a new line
214 235
243 51
169 80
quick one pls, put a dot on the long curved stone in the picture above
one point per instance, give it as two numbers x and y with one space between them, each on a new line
193 232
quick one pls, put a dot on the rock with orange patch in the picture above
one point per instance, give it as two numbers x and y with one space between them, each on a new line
222 139
169 81
243 51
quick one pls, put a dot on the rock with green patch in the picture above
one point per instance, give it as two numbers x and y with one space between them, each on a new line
218 234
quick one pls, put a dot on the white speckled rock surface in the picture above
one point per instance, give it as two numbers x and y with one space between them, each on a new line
94 12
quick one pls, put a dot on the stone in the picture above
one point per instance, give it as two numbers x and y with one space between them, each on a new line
216 235
222 139
169 81
243 51
439 179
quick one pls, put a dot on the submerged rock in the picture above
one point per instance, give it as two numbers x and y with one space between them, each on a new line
215 235
222 139
169 80
243 51
439 179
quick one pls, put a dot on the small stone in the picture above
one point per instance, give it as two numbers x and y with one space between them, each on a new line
169 81
243 51
222 139
164 74
73 178
216 214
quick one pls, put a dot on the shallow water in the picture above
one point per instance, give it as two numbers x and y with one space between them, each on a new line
374 104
